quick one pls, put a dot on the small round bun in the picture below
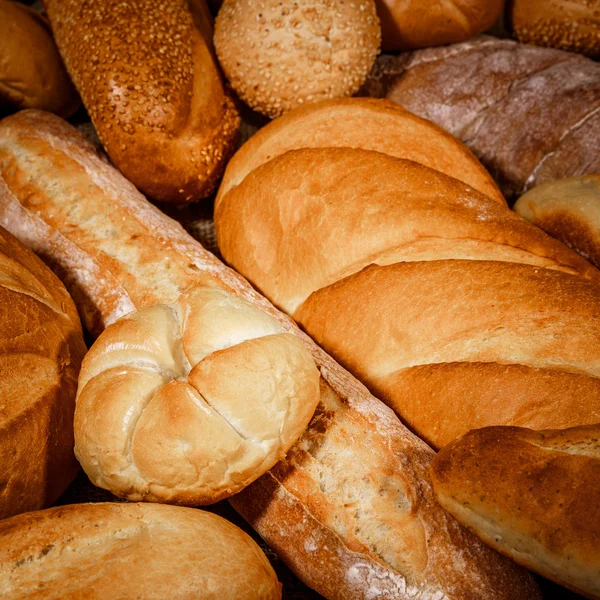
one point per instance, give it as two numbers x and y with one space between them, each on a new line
278 54
191 402
572 25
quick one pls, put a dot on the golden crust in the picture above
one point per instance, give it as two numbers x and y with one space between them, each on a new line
151 86
280 55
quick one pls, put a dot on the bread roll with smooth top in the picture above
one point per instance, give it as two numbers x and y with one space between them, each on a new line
191 402
279 55
131 551
41 348
532 495
148 79
569 210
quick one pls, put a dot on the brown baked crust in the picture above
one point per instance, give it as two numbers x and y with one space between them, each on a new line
128 551
41 349
569 210
396 536
151 86
572 25
32 74
530 114
406 25
533 496
370 124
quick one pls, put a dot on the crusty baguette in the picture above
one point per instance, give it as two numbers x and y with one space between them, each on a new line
451 308
569 210
41 348
149 81
350 509
534 496
530 114
131 551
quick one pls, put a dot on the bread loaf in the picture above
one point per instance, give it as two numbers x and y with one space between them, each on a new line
569 210
130 551
479 317
410 24
41 348
350 508
148 79
533 496
278 55
32 74
531 115
211 380
566 24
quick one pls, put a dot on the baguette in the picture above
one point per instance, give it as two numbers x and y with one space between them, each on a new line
532 495
531 115
148 79
350 508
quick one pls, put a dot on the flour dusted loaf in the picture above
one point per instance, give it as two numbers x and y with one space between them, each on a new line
129 551
446 304
148 79
41 348
191 402
533 496
569 210
350 508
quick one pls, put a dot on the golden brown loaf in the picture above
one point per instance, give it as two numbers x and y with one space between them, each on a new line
279 55
350 508
566 24
534 496
32 74
370 124
148 79
191 402
130 551
530 114
569 210
450 307
410 24
41 348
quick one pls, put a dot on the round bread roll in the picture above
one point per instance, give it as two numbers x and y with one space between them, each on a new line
411 24
280 54
566 24
32 74
41 348
131 551
191 402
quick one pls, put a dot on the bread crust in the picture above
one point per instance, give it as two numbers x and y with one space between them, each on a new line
418 550
532 495
151 86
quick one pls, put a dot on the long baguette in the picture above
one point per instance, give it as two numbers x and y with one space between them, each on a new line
351 508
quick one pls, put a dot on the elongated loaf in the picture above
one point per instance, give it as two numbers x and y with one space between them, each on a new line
450 307
350 508
530 114
130 551
147 76
533 496
569 210
41 348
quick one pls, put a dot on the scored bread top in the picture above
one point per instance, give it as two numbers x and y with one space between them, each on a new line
191 402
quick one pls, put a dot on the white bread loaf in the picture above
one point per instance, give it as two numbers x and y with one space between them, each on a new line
130 551
569 210
446 304
41 348
191 402
534 496
147 76
350 509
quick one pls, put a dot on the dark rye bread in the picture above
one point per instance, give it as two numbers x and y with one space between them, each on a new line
351 508
530 114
